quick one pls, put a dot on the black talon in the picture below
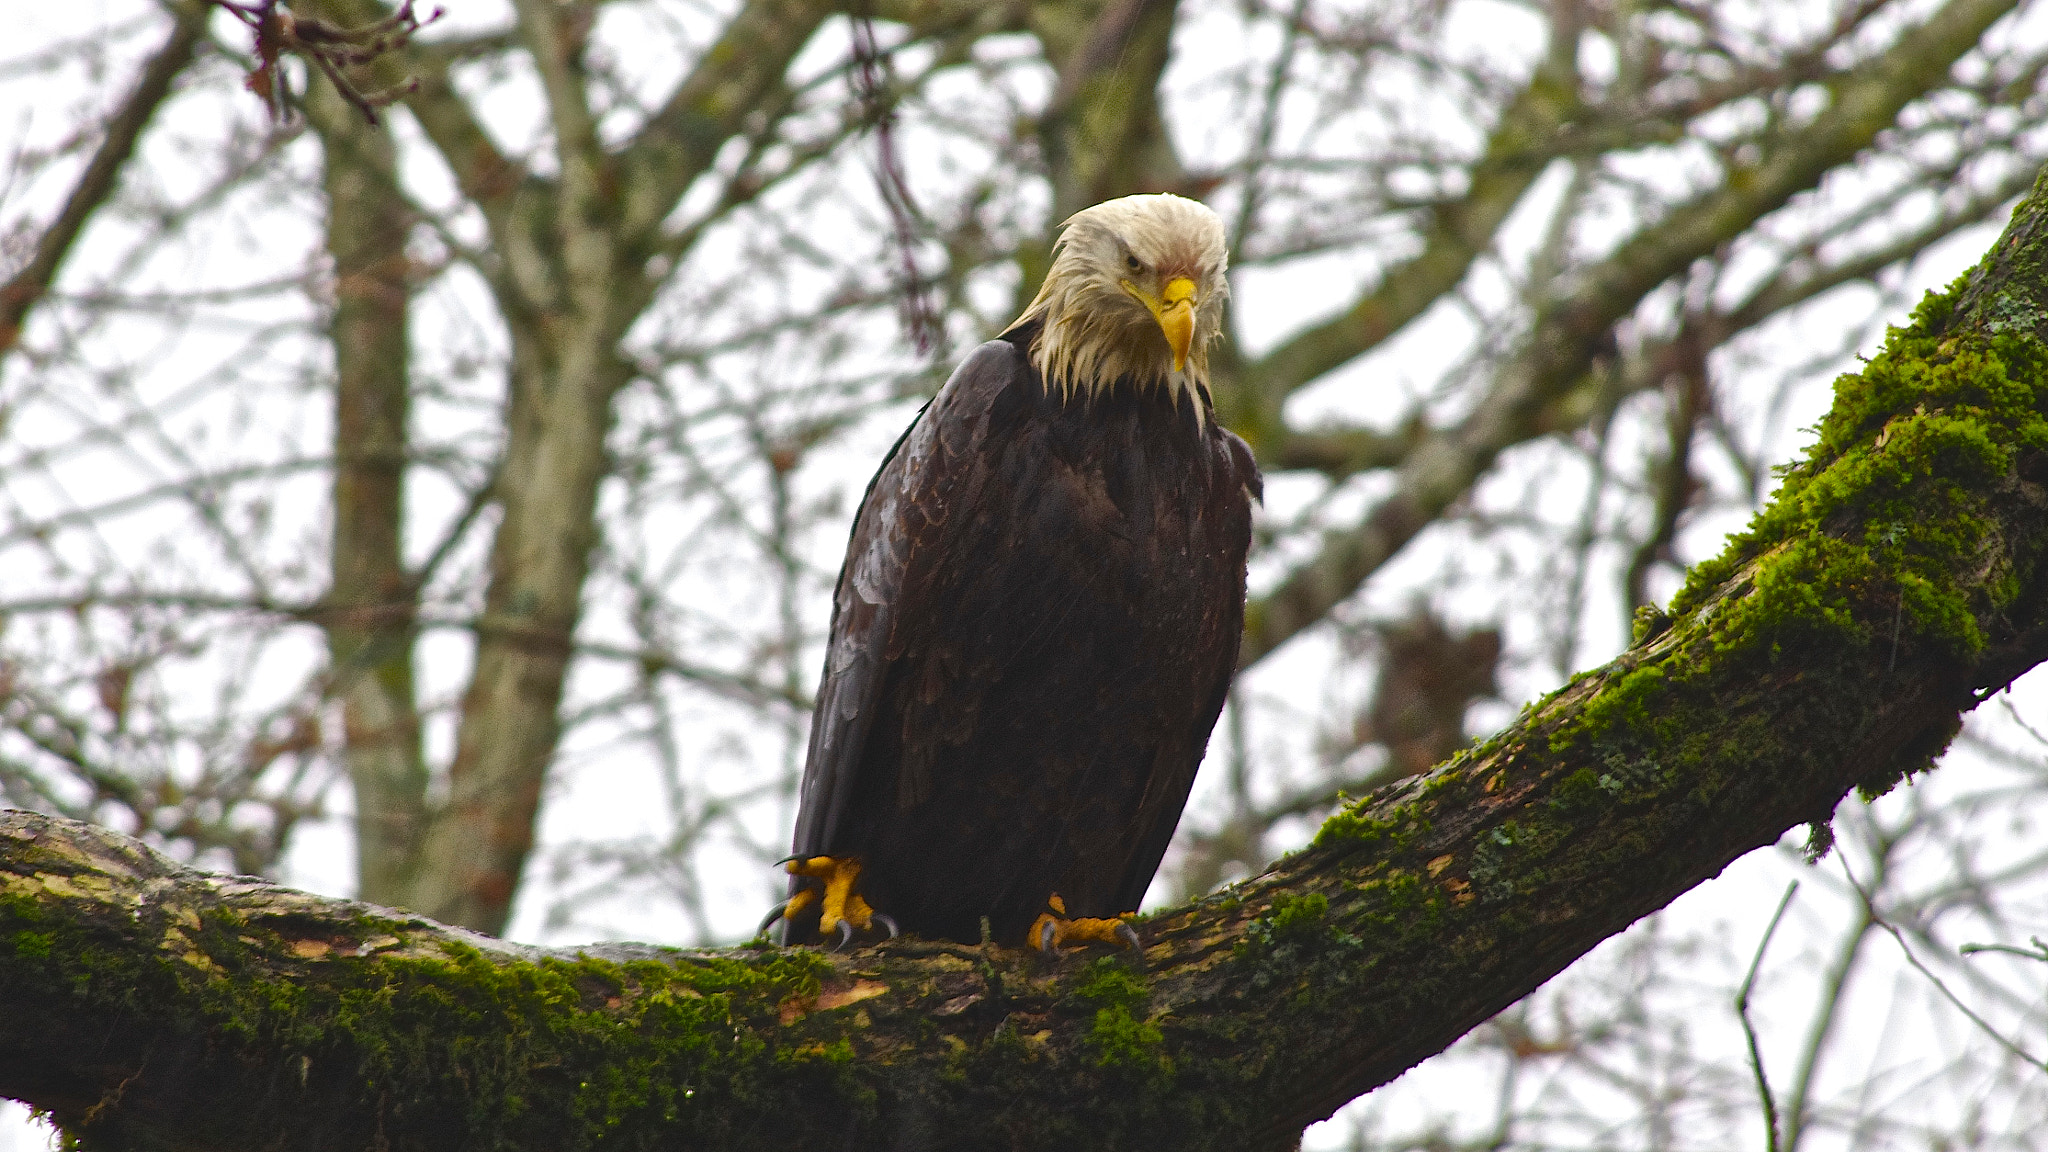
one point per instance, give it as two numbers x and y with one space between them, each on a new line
1128 935
889 922
774 914
845 934
1045 937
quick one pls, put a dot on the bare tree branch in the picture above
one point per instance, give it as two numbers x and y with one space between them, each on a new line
1571 336
102 173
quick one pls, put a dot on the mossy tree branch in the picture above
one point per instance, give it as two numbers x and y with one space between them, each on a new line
1897 578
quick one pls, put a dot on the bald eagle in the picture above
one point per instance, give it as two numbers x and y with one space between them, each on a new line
1039 612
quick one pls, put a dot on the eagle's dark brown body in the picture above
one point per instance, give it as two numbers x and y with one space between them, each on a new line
1031 639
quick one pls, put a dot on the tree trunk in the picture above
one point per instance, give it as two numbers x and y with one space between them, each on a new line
371 606
547 490
569 270
1895 581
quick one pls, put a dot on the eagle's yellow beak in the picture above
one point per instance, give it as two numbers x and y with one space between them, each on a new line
1175 312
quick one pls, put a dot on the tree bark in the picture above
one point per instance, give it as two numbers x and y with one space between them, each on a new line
371 607
570 275
1899 577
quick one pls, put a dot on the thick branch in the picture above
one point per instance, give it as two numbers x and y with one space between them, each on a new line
1900 575
679 142
1455 233
1568 337
484 173
1102 134
1341 450
102 173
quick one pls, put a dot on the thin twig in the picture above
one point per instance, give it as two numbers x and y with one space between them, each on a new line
1756 1058
870 84
2038 952
1982 1024
332 49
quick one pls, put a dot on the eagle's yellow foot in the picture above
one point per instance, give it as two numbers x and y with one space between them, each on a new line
843 911
1053 929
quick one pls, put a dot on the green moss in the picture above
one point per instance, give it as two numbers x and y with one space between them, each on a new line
1355 826
1930 418
1121 1040
838 1053
1628 700
1400 906
1321 952
1492 872
1120 1037
1857 556
1293 919
1582 790
1295 916
1105 981
663 1036
473 1040
32 945
1649 623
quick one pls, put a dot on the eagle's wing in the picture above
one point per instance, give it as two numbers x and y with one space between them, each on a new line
1221 622
905 514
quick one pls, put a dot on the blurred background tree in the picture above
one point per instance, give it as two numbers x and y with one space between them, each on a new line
456 488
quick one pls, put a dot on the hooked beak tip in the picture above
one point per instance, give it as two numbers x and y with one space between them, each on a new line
1174 311
1178 323
1176 316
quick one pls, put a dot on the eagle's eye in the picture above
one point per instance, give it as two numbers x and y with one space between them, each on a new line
1133 263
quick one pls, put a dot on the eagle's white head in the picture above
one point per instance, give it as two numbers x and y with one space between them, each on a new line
1136 291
